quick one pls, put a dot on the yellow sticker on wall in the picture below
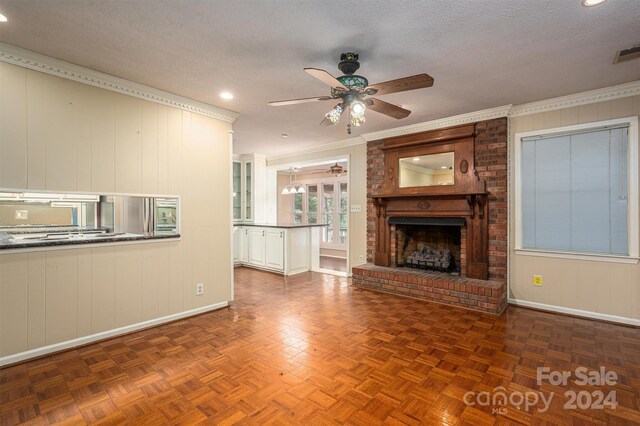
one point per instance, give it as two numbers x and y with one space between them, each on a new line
537 280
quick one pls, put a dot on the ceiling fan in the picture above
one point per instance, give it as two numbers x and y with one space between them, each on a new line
337 170
352 91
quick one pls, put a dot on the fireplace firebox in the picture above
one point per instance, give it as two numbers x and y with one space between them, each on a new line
427 243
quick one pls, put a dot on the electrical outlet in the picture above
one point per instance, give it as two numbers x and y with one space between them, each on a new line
22 214
537 280
361 258
199 289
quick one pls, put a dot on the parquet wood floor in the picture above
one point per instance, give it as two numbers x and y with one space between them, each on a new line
309 349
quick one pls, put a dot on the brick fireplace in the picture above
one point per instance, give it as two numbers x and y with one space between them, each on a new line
468 218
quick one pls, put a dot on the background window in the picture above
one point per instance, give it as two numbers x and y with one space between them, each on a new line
327 213
297 208
575 192
312 204
344 212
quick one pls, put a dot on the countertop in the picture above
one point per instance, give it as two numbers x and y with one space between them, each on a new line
47 229
87 239
282 225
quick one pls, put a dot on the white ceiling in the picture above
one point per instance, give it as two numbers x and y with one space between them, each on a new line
482 53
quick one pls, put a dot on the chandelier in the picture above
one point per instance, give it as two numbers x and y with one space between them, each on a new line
293 188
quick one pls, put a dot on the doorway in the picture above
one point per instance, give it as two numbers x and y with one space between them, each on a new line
323 199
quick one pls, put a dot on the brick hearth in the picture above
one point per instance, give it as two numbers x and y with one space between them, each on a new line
482 295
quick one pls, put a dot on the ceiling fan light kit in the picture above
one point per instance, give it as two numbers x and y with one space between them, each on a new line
352 90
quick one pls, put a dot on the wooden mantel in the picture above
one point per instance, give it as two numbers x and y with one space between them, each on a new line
466 198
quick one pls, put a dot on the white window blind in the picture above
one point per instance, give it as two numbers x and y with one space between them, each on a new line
574 192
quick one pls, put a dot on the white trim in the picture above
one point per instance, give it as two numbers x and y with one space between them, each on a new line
35 61
578 256
44 350
575 312
232 280
358 140
333 256
456 120
583 98
633 209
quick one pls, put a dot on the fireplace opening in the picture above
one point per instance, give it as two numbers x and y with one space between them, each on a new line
431 243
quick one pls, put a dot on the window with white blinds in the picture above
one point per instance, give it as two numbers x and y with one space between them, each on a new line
575 195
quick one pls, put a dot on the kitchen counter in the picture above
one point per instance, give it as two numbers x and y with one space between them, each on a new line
70 240
47 229
284 248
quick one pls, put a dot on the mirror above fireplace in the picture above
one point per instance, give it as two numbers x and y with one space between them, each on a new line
426 170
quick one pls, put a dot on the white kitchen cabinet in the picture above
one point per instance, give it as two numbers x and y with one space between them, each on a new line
244 244
274 248
283 249
256 246
237 191
249 188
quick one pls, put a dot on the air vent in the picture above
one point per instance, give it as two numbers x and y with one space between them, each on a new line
627 54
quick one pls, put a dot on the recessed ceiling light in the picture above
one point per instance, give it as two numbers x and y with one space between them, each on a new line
284 135
443 167
226 95
416 158
3 18
589 3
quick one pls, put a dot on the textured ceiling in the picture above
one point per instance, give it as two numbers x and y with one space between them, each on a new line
482 53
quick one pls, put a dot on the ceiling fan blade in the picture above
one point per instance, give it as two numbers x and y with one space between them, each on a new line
300 101
387 109
418 81
326 78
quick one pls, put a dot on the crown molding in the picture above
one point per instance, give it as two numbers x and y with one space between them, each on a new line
456 120
35 61
584 98
344 143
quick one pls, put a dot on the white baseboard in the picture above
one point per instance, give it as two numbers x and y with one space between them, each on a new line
33 353
333 256
575 312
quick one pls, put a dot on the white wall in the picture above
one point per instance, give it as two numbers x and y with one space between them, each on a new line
61 135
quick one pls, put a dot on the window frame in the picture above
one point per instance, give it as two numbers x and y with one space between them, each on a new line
319 182
633 237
